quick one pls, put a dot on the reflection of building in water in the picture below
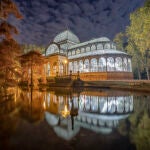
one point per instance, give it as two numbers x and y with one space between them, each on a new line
97 113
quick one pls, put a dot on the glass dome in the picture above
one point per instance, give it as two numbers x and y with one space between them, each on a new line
66 35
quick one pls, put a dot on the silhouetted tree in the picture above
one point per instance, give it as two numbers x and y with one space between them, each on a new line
33 66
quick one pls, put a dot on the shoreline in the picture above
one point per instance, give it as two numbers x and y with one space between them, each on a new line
128 85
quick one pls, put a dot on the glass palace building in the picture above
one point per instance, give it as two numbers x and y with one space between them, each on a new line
96 59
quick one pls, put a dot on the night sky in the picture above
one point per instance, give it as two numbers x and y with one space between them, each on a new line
88 19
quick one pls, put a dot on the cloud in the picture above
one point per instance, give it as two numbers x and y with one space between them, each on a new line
88 19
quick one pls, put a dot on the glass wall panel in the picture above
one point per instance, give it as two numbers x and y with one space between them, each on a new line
93 47
102 64
82 50
70 66
120 104
74 102
107 46
127 104
73 52
118 64
78 51
87 103
69 53
103 104
94 103
86 65
81 66
82 102
94 66
129 65
99 46
55 68
61 69
53 48
131 102
111 104
124 64
75 67
113 46
87 49
110 64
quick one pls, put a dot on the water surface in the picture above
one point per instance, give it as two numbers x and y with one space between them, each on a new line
74 119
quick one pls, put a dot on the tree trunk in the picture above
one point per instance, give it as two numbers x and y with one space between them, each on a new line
31 75
147 72
139 73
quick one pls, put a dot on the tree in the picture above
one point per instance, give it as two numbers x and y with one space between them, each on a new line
120 40
138 36
33 66
9 48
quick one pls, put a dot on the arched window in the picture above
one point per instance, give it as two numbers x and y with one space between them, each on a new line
78 51
110 64
81 66
102 64
70 66
61 68
69 53
82 50
124 64
87 49
53 48
118 64
94 67
93 47
107 46
113 46
99 46
86 65
48 69
54 68
129 65
75 66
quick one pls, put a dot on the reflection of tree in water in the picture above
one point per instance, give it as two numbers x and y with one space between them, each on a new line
8 116
32 105
138 124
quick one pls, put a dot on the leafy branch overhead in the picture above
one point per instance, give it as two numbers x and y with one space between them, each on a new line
8 7
9 48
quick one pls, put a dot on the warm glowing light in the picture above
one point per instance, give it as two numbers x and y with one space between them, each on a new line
65 61
44 105
15 98
65 113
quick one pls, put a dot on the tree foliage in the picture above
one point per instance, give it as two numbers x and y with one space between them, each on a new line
138 39
32 66
120 40
8 7
9 48
139 29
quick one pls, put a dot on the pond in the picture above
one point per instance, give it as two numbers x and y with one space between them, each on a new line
63 118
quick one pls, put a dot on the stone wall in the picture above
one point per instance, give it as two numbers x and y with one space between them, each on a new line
97 76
